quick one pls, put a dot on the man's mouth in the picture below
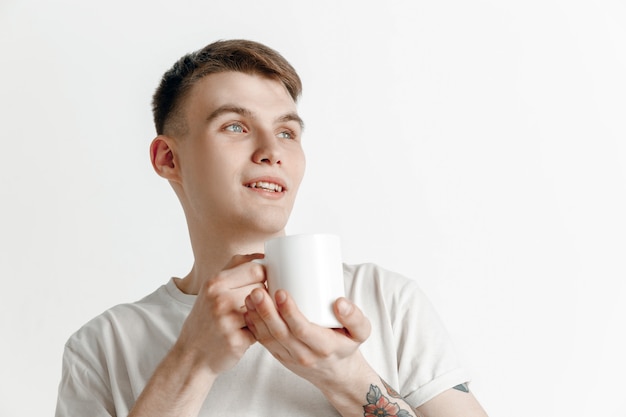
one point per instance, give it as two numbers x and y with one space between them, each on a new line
266 186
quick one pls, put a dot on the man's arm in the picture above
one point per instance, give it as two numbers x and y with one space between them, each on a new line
454 402
331 360
328 358
213 339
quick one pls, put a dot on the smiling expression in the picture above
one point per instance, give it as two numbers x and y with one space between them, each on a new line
240 159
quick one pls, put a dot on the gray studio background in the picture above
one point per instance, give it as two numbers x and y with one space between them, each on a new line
476 146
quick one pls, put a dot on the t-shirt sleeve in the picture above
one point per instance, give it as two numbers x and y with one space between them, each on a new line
82 390
427 360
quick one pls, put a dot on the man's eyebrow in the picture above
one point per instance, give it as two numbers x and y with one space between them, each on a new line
229 108
292 117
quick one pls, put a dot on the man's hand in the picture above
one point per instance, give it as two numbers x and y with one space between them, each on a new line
325 357
215 332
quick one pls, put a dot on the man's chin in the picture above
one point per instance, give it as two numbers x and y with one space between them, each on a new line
267 226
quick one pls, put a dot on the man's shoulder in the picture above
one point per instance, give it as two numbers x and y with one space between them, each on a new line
127 320
374 288
374 274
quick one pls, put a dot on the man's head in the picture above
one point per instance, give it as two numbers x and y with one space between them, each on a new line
229 139
244 56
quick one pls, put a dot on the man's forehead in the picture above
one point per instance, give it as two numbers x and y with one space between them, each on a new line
244 94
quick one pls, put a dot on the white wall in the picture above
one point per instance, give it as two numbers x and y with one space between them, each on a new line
477 146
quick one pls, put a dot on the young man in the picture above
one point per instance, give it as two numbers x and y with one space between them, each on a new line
214 342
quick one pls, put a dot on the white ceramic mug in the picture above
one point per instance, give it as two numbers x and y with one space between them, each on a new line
309 267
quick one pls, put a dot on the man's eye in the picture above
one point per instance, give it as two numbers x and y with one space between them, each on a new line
235 128
286 135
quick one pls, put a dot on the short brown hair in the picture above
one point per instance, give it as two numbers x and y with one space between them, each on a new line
229 55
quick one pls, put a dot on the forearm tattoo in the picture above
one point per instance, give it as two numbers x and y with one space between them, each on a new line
379 405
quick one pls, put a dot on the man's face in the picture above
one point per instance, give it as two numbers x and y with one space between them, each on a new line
241 160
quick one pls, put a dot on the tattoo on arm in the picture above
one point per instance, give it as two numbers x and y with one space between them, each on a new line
380 405
462 387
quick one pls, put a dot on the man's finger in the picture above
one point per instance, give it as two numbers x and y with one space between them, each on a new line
353 319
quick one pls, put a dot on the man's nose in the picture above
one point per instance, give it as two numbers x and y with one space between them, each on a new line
267 148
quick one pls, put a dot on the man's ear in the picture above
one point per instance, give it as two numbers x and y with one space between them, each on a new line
164 159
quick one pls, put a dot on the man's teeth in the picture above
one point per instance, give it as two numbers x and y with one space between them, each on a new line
268 186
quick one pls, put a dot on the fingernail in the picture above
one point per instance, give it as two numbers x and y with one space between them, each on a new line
344 307
281 297
256 296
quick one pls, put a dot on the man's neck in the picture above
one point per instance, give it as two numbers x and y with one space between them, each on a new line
213 254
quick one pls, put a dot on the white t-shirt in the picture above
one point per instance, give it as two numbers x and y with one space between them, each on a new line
107 363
